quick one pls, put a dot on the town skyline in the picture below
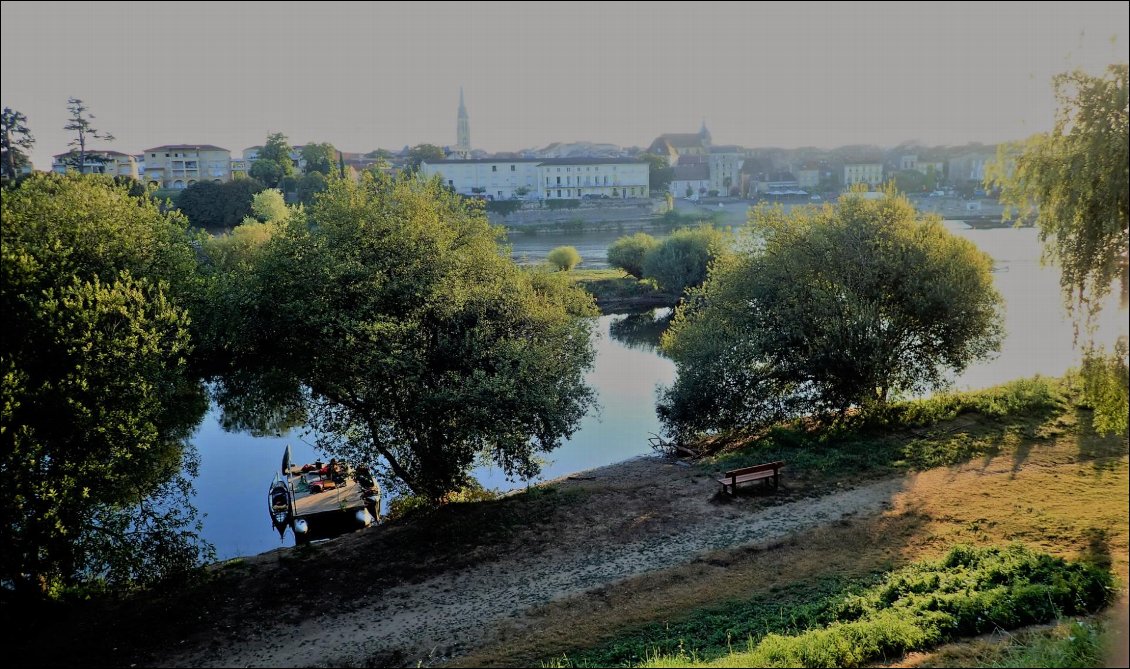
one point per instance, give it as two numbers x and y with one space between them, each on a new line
367 77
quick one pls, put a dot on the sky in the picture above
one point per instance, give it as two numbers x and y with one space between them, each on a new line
363 76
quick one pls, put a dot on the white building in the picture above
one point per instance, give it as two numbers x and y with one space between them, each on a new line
576 178
564 178
726 168
868 173
500 179
692 179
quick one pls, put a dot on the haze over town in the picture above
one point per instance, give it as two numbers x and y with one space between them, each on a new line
369 76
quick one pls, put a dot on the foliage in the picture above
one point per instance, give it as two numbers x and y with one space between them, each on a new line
504 207
564 258
1069 644
1106 386
827 309
268 206
320 158
386 314
1077 179
218 205
309 186
660 173
628 253
15 136
970 591
273 163
422 153
98 399
681 261
562 203
80 123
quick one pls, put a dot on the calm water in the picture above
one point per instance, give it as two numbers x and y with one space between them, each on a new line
236 469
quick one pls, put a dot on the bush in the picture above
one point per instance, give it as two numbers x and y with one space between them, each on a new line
628 253
212 205
564 258
681 260
833 308
562 204
970 591
504 207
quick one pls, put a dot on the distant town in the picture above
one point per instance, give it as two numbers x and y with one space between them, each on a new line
685 165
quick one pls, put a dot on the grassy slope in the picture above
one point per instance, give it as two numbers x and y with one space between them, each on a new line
1030 471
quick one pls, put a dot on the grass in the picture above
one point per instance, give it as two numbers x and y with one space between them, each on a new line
1044 479
970 591
915 435
617 289
1083 642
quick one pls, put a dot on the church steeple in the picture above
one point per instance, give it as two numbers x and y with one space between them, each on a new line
704 134
463 129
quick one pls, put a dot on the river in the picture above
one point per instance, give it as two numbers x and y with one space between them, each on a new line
236 468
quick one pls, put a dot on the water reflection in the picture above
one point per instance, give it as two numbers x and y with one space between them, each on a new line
642 331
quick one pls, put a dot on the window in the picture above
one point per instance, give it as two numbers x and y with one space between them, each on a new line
494 168
513 168
558 193
558 181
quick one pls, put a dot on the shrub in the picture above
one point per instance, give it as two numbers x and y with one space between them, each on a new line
628 253
681 260
564 258
504 207
562 204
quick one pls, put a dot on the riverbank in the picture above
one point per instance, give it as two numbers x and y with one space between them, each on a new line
590 559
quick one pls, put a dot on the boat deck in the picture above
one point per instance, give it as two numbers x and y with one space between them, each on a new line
342 498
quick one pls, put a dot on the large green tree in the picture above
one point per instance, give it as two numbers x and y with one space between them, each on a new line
15 138
98 397
212 205
1076 181
826 309
273 164
660 172
422 153
320 157
387 316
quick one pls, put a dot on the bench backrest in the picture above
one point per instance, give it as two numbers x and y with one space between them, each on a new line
756 468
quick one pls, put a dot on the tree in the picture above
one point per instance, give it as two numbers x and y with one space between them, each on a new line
218 205
564 258
628 253
273 163
660 172
386 315
309 186
269 206
80 123
321 158
826 309
16 138
98 398
681 261
422 153
1077 181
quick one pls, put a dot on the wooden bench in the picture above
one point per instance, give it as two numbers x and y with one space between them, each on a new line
769 470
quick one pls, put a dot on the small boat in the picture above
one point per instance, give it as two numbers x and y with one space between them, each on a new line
318 501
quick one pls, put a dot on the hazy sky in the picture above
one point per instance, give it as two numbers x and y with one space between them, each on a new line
364 76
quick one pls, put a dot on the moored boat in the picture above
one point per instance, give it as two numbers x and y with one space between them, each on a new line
322 500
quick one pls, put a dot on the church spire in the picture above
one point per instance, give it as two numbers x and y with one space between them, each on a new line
703 133
463 129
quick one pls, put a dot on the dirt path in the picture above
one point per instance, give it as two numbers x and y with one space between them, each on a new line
439 617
